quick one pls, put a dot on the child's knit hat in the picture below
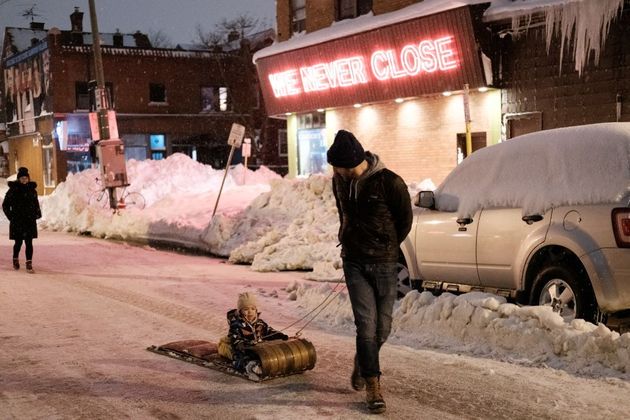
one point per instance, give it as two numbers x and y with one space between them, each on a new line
246 299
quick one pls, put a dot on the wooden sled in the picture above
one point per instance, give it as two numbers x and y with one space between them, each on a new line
278 358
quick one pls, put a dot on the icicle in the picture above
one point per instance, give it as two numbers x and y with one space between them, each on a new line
586 22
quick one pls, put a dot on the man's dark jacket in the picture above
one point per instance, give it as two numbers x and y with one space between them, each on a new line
374 212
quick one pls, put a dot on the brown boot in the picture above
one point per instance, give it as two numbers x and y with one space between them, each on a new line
356 380
374 399
16 264
29 266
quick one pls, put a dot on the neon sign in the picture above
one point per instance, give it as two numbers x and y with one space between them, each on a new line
426 56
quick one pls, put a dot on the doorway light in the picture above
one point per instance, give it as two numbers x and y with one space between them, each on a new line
399 100
483 89
447 93
357 105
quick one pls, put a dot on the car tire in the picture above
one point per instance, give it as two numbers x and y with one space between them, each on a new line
566 291
403 282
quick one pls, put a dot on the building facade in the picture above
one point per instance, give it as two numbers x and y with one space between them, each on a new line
404 80
412 79
166 100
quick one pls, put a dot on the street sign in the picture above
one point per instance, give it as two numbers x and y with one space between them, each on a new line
246 148
236 135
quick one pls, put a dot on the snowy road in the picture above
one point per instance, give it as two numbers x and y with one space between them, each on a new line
73 339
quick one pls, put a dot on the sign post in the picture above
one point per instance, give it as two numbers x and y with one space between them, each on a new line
467 120
234 139
246 151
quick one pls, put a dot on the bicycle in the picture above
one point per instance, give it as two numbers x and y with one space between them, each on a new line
126 199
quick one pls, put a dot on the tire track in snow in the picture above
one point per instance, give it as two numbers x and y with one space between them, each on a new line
158 306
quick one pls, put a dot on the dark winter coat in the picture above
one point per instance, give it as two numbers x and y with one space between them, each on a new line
21 207
374 212
243 333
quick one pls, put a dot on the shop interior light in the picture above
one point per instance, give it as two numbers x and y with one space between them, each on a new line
399 100
288 114
483 89
357 105
320 110
447 93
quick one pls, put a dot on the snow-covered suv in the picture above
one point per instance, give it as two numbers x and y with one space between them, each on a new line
542 218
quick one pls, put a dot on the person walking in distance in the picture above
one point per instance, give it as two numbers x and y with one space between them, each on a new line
375 215
21 207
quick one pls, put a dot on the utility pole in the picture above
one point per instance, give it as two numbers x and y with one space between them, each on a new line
110 151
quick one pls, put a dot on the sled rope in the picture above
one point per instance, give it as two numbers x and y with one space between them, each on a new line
315 308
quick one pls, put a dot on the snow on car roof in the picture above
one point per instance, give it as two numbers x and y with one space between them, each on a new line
586 164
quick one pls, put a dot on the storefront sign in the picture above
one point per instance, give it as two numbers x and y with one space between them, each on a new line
426 56
416 57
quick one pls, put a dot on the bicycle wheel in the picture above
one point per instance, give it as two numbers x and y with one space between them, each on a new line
99 199
134 200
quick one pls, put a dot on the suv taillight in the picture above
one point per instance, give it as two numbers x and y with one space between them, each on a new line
621 226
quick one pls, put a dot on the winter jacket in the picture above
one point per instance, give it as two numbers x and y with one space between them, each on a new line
374 213
243 334
21 207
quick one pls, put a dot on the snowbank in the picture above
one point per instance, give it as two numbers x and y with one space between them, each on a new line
485 325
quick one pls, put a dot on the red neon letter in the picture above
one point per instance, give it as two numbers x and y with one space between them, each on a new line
445 53
410 60
285 83
427 54
379 65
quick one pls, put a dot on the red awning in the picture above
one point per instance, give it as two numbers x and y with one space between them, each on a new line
416 57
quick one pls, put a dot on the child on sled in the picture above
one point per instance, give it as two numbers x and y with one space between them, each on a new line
246 329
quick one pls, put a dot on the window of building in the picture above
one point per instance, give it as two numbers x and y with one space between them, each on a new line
157 93
348 9
82 95
47 156
298 15
215 99
135 146
158 146
85 95
283 143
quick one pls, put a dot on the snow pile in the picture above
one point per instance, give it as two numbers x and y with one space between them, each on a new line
484 324
541 170
180 195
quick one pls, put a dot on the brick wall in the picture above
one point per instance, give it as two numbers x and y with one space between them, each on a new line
418 139
533 82
386 6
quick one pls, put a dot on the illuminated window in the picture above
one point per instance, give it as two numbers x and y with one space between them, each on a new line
298 15
215 99
348 9
158 146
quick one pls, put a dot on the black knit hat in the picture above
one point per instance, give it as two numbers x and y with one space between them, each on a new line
22 172
346 151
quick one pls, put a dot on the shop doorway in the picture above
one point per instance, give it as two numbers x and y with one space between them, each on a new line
478 142
311 144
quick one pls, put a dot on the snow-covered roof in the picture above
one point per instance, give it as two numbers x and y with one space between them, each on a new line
146 52
586 164
589 18
21 38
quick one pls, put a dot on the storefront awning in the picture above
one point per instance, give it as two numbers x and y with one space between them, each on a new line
415 57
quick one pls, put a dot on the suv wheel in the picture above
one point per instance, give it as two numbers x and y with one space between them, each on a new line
403 283
566 292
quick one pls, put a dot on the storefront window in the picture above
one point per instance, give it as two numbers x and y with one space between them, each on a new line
158 146
135 146
47 156
311 151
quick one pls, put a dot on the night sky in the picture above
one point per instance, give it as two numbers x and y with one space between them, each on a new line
175 18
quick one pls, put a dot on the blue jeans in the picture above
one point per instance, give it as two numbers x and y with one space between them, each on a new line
372 290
